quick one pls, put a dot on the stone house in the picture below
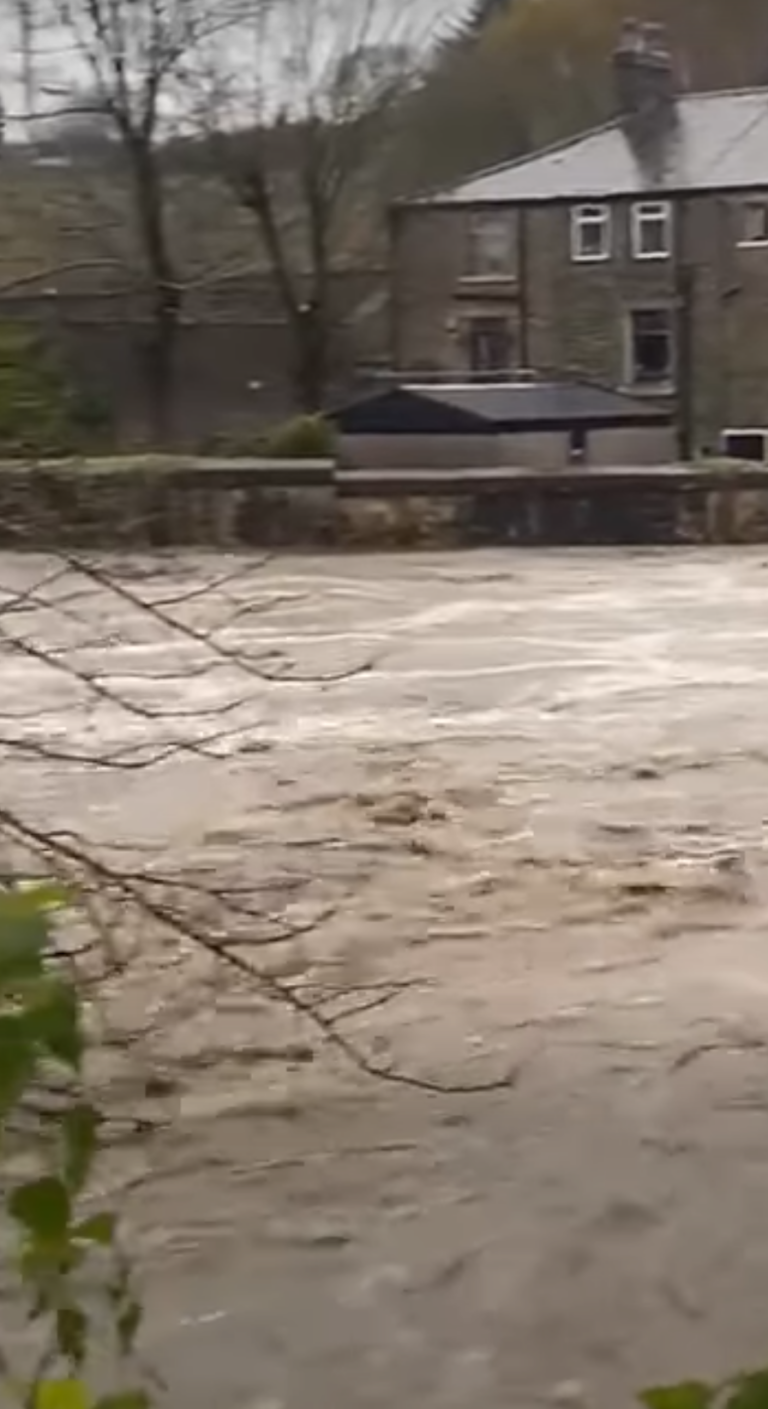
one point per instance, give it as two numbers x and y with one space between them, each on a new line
635 254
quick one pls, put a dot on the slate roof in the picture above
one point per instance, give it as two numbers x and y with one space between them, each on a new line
507 402
719 142
490 408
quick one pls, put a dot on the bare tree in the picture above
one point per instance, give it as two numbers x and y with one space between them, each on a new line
300 128
128 55
25 17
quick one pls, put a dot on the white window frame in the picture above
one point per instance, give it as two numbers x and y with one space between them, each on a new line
593 214
646 211
755 203
631 381
501 223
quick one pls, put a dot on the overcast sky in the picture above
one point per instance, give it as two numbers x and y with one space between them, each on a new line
56 62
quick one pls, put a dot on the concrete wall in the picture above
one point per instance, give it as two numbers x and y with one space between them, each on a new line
551 450
534 450
651 445
420 452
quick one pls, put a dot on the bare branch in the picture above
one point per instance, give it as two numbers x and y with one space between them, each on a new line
243 924
300 139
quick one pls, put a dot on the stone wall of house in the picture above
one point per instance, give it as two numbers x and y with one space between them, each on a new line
730 333
572 317
434 293
428 254
579 311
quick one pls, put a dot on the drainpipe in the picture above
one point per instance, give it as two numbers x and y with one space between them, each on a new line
523 287
396 214
684 301
728 291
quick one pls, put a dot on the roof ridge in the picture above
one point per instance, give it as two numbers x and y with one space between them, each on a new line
430 193
753 91
435 193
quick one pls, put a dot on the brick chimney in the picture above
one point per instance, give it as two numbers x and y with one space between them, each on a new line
646 87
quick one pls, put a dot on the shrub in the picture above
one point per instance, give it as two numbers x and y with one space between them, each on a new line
303 438
232 445
40 413
67 1264
743 1391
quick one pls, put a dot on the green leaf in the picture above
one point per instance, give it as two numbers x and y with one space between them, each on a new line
748 1391
43 1207
690 1394
22 947
56 1018
17 1059
72 1333
29 902
40 1259
127 1325
61 1394
79 1129
45 895
24 930
100 1228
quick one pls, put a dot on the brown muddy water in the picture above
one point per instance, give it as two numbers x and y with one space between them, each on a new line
523 797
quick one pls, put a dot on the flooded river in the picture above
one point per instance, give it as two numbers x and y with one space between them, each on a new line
520 799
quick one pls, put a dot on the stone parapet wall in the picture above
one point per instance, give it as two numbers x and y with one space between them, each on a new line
160 504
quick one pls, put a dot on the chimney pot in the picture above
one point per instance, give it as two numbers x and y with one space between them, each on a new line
631 39
656 42
645 79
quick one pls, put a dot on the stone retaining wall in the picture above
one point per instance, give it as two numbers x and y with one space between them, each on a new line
230 505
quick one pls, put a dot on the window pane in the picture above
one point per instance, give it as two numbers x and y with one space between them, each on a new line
590 232
653 235
491 247
592 237
652 227
490 345
651 345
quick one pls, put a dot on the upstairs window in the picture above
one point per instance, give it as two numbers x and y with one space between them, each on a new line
754 223
652 230
590 233
491 247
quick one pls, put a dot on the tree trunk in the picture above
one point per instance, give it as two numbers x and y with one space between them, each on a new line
159 367
311 357
160 347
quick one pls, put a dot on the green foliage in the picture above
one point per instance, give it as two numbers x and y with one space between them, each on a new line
303 438
58 1251
690 1394
40 413
741 1392
240 444
529 72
